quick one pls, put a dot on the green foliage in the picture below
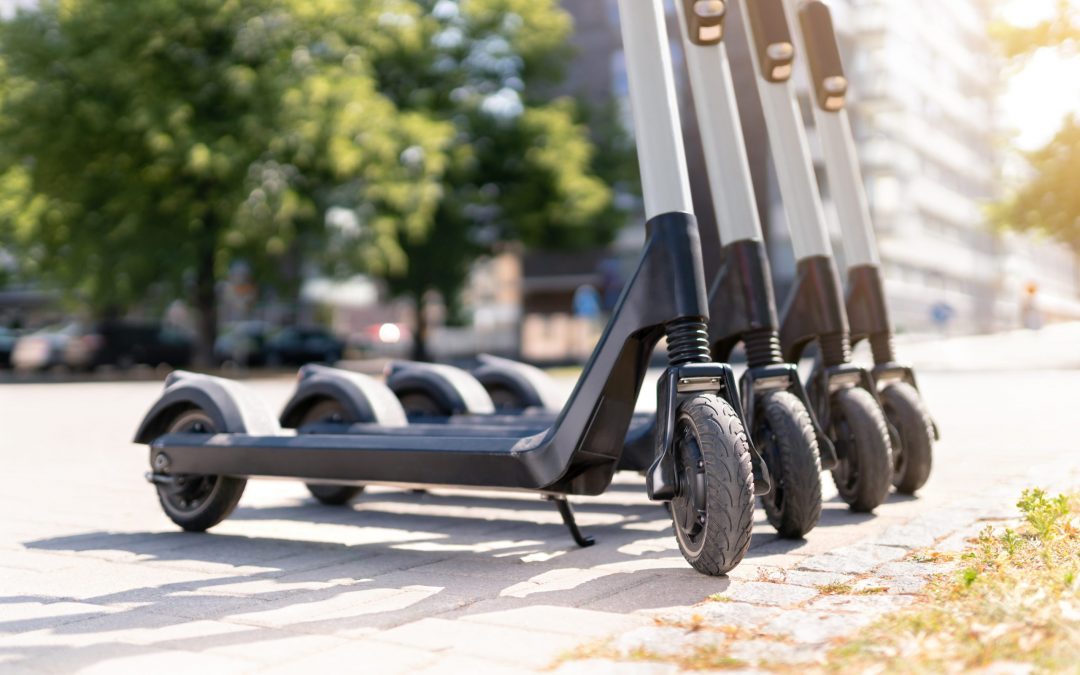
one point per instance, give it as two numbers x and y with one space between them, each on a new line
1047 516
1048 202
144 146
1061 31
163 139
521 166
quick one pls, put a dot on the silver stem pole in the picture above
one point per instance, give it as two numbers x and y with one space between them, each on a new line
791 156
654 106
842 167
728 167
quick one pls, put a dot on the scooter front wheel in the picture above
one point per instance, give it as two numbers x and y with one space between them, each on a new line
197 503
912 460
329 410
784 435
713 512
864 473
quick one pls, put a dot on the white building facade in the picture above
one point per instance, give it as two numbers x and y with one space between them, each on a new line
924 82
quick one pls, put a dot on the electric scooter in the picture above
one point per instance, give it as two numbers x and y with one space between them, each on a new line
867 311
778 411
208 435
742 310
844 396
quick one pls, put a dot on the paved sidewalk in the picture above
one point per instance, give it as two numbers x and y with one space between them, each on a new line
791 615
94 578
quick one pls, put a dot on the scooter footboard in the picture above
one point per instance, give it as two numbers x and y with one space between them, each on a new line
231 406
401 460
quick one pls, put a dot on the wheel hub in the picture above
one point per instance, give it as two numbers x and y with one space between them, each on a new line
187 493
689 505
847 468
769 448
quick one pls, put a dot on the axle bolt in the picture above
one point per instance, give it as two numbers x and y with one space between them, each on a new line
161 461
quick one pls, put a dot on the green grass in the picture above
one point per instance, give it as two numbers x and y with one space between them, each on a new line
1016 598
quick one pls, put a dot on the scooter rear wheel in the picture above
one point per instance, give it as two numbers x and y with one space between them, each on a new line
784 435
505 399
713 512
864 473
419 403
330 410
913 459
197 503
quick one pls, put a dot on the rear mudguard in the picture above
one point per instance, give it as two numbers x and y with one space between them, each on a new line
528 384
364 398
455 391
231 406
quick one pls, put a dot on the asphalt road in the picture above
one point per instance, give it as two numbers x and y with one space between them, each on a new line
93 575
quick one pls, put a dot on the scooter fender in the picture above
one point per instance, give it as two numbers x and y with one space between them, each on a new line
456 391
528 384
231 405
365 398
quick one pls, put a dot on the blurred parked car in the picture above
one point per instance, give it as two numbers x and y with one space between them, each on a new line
295 346
8 338
43 349
126 343
243 344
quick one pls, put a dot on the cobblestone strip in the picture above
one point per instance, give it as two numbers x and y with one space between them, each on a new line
790 616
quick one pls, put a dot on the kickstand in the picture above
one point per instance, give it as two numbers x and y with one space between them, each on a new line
567 514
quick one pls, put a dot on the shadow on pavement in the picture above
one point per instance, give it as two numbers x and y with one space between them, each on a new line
413 556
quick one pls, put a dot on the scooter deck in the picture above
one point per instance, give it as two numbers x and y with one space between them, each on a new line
508 461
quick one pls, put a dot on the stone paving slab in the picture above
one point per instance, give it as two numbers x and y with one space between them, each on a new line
95 579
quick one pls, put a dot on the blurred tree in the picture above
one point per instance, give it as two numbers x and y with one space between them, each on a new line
521 165
1049 201
1060 31
148 144
158 141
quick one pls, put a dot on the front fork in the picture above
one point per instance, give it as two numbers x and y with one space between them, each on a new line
742 308
869 318
816 311
758 382
678 383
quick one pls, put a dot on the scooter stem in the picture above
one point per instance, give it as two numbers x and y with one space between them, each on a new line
665 180
772 52
726 161
816 38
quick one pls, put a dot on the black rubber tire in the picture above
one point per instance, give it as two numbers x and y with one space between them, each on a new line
418 403
197 503
863 475
712 522
329 410
785 438
912 461
505 399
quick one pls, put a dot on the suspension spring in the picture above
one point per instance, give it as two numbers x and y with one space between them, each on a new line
835 349
762 348
881 345
687 341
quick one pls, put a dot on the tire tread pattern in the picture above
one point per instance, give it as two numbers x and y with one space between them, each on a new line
872 446
916 428
729 484
799 468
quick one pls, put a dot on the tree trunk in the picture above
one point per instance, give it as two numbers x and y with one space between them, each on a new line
420 335
206 310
